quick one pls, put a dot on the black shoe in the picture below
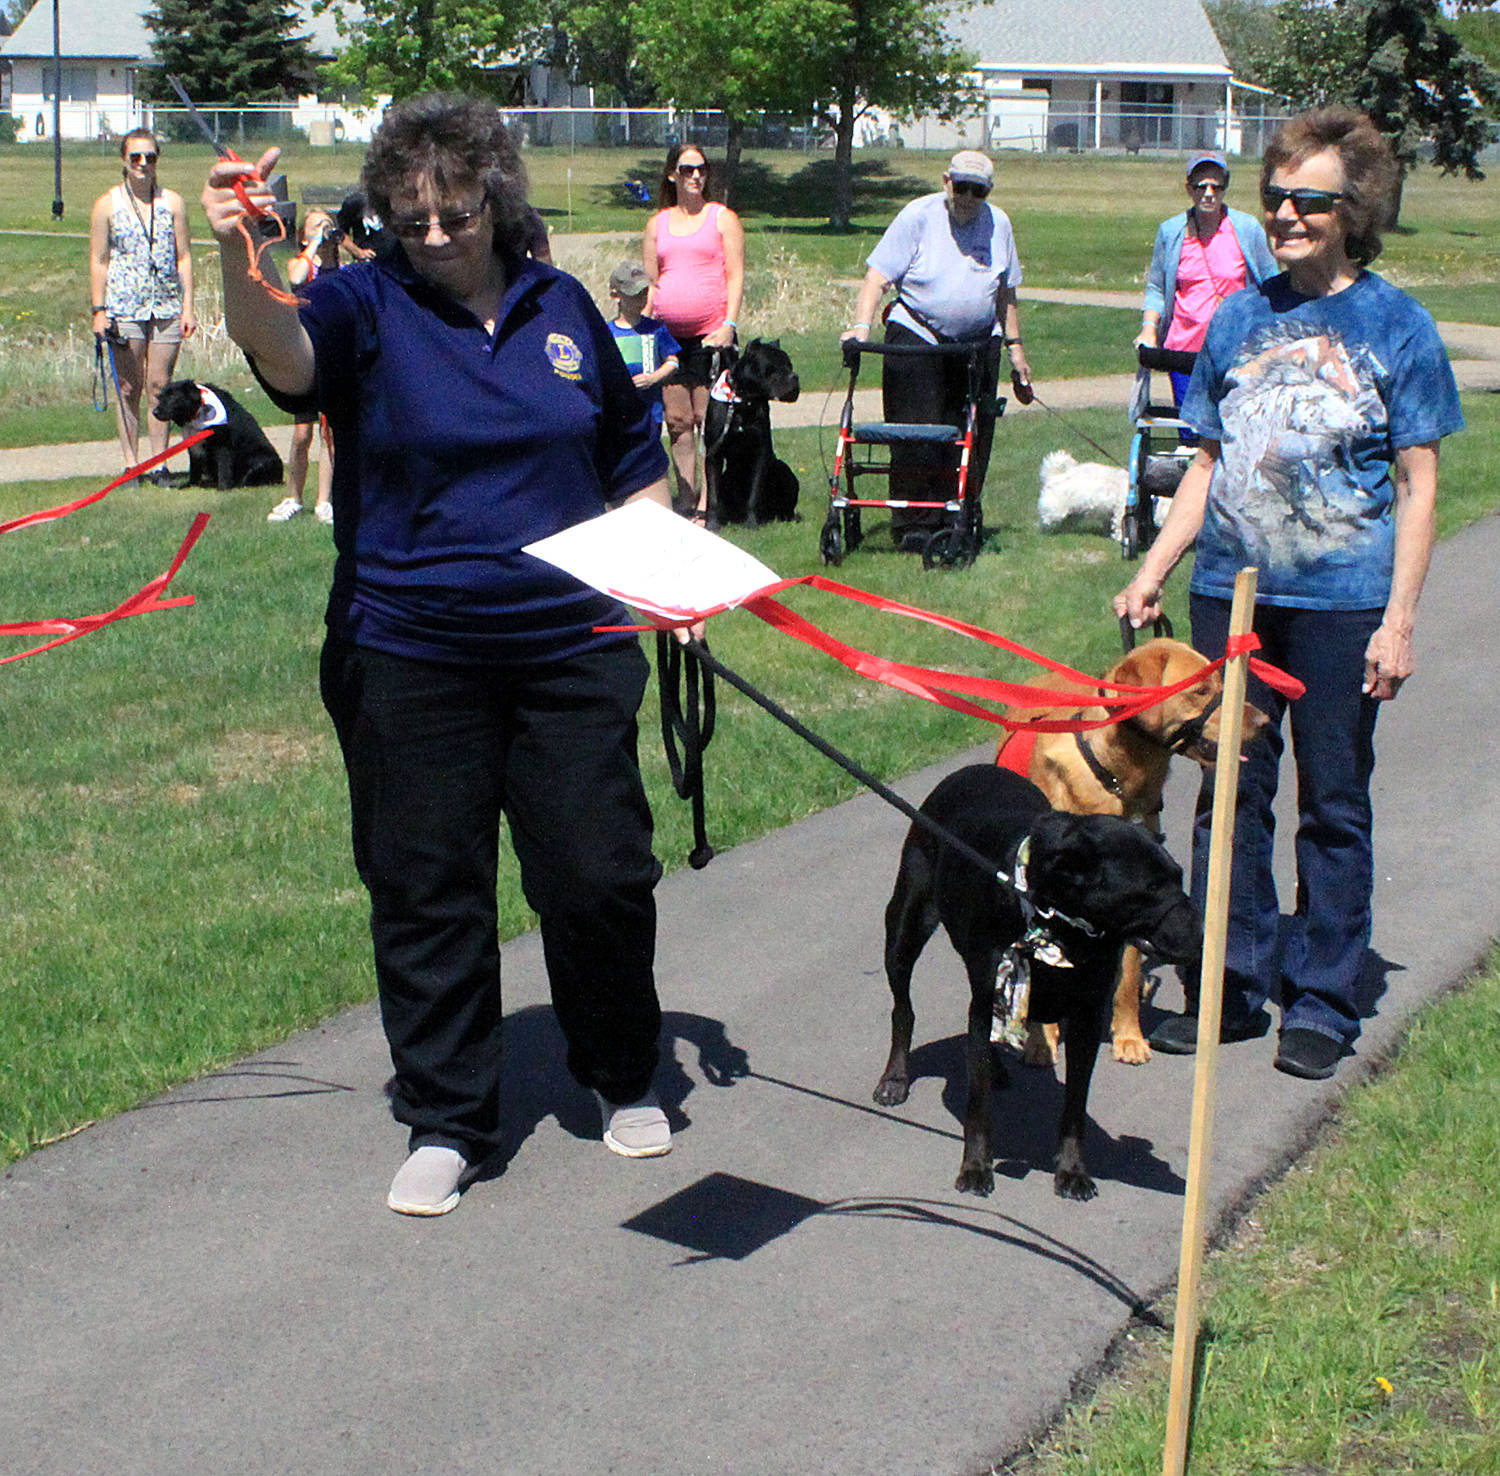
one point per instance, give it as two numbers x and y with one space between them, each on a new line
1177 1035
1308 1054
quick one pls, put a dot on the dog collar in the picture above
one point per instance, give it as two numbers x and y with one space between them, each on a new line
1039 940
723 391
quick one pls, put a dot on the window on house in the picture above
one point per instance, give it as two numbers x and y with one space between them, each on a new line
1148 111
79 84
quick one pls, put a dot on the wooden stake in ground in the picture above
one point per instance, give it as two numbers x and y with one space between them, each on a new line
1210 1011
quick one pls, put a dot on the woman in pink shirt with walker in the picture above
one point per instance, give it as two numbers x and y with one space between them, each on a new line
1200 258
694 253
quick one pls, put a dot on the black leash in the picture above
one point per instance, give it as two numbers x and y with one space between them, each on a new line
1082 435
680 671
692 765
1160 627
99 385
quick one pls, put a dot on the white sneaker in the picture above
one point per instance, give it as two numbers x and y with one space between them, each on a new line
284 511
636 1129
323 512
427 1183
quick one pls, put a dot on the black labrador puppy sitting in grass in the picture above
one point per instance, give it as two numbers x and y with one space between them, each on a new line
237 454
1092 883
747 483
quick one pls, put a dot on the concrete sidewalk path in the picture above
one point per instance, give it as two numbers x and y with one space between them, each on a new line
211 1283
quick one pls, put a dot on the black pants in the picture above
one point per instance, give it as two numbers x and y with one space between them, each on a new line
434 755
917 389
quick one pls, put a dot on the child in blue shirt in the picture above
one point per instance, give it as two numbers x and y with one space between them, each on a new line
649 351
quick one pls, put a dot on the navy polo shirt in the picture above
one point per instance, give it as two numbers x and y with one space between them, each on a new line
455 447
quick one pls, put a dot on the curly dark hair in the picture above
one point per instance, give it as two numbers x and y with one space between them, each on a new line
666 191
1371 173
456 142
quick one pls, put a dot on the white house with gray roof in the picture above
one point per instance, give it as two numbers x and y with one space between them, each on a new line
103 43
1102 74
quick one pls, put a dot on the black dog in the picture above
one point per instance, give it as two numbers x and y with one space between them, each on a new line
746 482
237 454
1092 883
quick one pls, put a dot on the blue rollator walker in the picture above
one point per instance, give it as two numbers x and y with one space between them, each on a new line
956 543
1158 453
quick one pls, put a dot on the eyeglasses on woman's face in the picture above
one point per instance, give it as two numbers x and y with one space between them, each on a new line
142 158
1304 202
451 223
692 169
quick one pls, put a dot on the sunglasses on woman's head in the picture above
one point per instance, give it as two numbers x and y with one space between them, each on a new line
1304 202
142 158
415 228
963 187
692 168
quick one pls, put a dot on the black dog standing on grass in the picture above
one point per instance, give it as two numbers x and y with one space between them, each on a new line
746 481
1093 883
237 454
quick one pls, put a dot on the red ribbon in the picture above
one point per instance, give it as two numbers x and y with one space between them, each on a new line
51 514
144 600
952 689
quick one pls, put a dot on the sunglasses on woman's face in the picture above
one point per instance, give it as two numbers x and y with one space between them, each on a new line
1304 202
455 223
142 158
963 187
692 169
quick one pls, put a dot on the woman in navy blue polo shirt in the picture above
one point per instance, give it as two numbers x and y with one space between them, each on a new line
478 403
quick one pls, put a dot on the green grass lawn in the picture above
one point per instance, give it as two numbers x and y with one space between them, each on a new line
1352 1328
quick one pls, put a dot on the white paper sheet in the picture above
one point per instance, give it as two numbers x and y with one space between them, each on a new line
656 561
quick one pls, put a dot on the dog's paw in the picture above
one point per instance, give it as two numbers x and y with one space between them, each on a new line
1073 1183
1131 1049
976 1179
1041 1046
892 1091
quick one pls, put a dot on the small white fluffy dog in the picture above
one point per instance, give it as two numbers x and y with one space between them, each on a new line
1081 496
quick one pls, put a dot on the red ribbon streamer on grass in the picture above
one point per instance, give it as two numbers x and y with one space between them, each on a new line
144 600
51 514
953 689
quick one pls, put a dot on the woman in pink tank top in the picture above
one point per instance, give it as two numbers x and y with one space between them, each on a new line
695 257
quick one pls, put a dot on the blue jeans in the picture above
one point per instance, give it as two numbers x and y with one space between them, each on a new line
1317 966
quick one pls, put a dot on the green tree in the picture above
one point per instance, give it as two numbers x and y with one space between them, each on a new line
891 54
1247 31
1422 89
408 46
1316 54
835 58
595 41
228 51
743 58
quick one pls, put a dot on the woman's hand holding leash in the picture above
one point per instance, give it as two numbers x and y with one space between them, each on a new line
237 191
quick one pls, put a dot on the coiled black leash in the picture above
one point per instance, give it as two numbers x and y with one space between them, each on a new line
680 672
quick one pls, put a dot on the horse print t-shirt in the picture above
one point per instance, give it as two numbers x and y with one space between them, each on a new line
1310 399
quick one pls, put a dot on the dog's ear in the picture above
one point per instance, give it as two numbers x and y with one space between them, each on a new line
1141 667
1062 853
